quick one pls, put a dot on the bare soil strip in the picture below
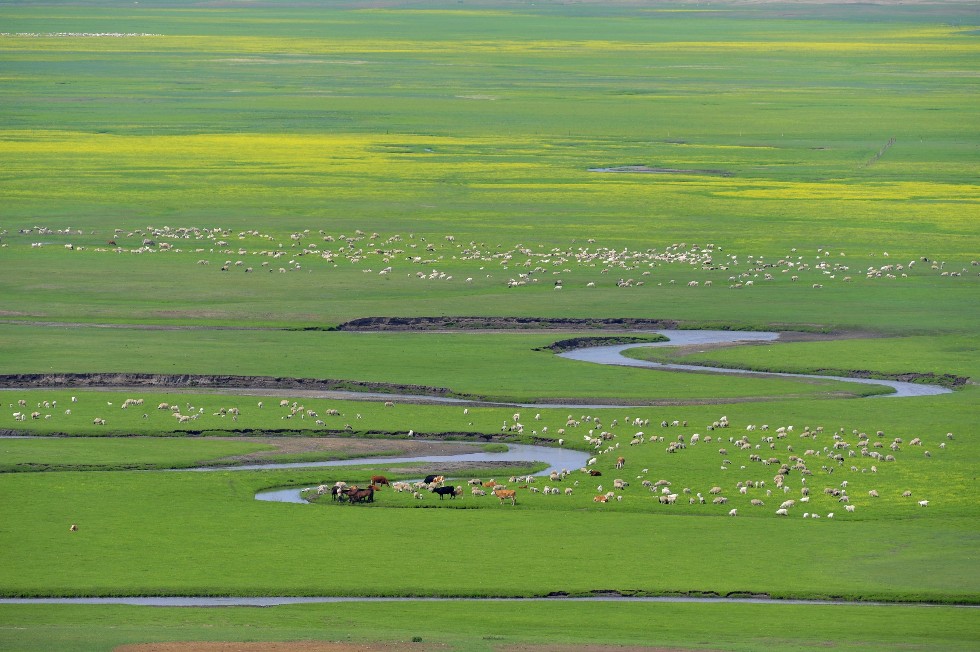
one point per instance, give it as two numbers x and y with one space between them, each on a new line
322 646
348 446
502 323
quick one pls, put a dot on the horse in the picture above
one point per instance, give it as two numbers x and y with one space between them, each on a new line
379 480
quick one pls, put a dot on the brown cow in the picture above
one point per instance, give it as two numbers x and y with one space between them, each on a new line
505 494
355 495
600 499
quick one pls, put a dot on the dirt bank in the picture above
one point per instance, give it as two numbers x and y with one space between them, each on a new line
502 323
584 342
346 447
183 381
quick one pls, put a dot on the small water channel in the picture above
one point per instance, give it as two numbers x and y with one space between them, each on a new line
613 355
556 459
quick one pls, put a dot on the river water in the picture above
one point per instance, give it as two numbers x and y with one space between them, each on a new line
556 458
613 355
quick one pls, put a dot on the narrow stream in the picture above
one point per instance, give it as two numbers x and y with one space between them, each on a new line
556 458
613 355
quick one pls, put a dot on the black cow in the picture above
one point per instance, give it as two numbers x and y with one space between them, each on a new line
445 491
429 479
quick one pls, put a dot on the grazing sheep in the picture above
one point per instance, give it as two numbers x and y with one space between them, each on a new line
849 508
782 512
733 512
923 503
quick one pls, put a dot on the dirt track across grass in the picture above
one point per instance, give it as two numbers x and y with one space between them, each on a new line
320 646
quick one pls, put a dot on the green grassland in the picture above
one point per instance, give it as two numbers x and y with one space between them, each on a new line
24 454
770 167
949 354
485 627
499 366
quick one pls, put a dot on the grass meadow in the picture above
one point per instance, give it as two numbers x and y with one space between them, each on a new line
193 189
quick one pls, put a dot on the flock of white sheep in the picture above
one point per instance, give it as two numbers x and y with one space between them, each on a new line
854 455
839 467
443 259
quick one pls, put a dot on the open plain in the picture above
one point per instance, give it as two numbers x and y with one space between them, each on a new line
305 231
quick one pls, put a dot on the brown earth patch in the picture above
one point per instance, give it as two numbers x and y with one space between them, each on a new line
282 646
501 323
322 646
209 382
348 446
572 647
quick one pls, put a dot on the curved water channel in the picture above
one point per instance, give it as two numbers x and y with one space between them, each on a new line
556 458
613 355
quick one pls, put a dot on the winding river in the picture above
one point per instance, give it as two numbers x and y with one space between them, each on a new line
556 458
613 355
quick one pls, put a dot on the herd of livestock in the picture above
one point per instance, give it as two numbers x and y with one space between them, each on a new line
434 258
840 456
767 469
